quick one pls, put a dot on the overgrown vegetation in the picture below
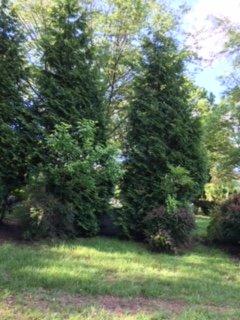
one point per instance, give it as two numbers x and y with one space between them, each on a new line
15 119
68 176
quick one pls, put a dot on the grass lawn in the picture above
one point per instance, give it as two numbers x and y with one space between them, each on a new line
202 224
109 279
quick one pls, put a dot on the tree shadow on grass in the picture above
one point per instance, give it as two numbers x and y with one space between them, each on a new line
89 267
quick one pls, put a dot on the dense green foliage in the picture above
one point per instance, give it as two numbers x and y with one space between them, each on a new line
14 116
225 225
65 195
103 133
75 78
164 155
73 180
67 80
221 123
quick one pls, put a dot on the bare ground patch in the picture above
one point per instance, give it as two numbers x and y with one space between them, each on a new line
139 304
58 302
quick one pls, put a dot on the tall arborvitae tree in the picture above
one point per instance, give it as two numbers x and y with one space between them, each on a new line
14 120
163 136
68 80
69 90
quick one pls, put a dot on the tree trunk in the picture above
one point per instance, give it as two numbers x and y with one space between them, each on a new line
3 209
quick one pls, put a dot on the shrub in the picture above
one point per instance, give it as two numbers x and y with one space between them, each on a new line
174 191
225 224
43 215
161 241
166 230
72 188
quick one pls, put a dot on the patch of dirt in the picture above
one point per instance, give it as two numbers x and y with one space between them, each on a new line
139 304
109 303
57 302
218 309
10 301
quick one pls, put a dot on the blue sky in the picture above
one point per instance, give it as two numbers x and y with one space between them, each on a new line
209 78
207 40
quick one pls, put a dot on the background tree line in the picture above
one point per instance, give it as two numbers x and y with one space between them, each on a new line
94 98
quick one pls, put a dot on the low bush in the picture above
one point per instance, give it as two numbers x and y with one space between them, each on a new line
174 190
225 224
161 241
166 230
43 215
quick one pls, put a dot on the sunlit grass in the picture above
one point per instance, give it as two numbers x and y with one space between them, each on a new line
202 224
103 266
202 278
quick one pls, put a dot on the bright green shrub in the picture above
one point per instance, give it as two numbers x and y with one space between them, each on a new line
68 194
225 224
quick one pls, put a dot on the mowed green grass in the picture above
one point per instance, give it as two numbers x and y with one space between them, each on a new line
46 281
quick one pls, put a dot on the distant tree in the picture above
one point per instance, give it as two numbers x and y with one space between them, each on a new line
233 93
222 141
164 149
232 52
221 138
119 28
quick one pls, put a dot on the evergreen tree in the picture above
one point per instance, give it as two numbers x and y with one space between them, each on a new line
164 156
14 115
69 92
67 80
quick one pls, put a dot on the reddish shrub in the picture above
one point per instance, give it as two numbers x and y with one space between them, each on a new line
166 231
225 225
